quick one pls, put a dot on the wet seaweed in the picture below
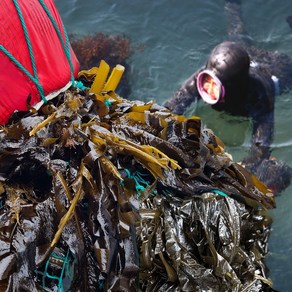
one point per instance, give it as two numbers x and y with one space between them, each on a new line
129 196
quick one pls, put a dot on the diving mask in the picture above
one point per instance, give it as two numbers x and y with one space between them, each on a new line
210 87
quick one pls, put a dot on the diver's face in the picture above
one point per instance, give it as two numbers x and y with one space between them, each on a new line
211 87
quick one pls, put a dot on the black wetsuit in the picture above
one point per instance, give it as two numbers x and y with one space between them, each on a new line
249 91
255 101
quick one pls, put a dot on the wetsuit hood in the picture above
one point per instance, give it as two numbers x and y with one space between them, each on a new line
230 63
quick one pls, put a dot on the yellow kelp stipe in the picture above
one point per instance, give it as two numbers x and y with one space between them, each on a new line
114 78
153 159
101 83
100 78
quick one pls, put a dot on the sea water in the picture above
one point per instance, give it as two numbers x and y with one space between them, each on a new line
172 39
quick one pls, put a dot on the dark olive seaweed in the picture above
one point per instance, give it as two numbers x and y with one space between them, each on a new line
126 197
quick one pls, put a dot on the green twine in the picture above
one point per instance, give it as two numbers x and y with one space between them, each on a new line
80 85
66 47
30 49
65 271
101 284
140 183
218 192
107 103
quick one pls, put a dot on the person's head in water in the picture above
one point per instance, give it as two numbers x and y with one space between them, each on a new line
228 67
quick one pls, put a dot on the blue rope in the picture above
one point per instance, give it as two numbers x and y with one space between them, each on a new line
67 271
218 192
31 54
107 103
80 85
66 47
30 49
22 68
140 183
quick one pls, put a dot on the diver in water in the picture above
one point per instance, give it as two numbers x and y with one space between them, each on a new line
243 80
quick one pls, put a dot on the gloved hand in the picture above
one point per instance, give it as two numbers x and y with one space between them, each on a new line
255 157
275 174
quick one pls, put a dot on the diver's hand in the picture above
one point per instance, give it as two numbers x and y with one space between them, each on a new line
256 155
274 173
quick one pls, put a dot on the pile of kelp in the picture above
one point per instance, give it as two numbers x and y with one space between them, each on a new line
99 193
